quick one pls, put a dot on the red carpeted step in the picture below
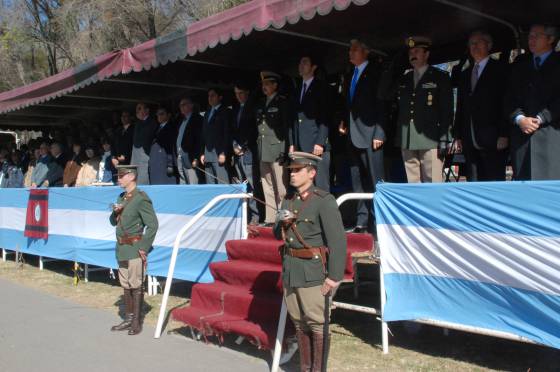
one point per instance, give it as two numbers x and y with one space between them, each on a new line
260 250
257 276
262 334
265 233
238 301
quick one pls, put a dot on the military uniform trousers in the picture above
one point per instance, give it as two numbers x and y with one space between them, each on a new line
306 306
273 180
131 273
422 165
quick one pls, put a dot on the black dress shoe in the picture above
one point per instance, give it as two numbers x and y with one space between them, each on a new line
360 230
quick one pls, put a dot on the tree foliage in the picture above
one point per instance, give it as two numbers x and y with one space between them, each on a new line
39 38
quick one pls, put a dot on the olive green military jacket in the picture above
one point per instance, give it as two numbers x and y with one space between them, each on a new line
425 112
273 121
320 224
137 218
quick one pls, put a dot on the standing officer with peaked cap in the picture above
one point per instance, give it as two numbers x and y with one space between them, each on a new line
313 258
137 224
425 100
274 117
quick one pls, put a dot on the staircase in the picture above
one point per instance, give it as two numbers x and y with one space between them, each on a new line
246 294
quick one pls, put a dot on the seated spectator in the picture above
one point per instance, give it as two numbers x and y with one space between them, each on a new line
39 175
106 168
14 174
35 155
88 173
73 166
56 167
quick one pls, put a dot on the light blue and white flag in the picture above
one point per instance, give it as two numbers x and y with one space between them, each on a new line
79 228
478 254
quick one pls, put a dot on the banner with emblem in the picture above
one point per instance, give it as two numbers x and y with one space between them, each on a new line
79 229
37 219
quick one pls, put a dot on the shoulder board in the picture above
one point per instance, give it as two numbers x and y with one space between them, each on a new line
142 193
320 192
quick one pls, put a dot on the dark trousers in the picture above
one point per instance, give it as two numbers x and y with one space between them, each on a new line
218 171
485 165
366 170
247 171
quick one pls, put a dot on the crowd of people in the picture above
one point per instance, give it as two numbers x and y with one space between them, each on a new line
386 121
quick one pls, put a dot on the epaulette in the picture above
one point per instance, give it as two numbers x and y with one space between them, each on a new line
319 192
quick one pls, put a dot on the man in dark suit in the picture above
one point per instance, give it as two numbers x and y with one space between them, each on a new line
187 146
123 140
215 142
480 130
533 107
144 131
310 131
364 124
56 167
244 135
162 159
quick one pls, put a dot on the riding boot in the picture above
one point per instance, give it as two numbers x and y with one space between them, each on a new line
304 345
136 326
318 350
128 312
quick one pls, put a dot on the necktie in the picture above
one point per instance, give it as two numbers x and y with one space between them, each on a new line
303 90
211 114
354 83
239 115
474 76
416 77
537 63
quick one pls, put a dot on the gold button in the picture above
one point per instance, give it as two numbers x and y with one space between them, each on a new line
291 239
262 136
412 103
295 211
300 120
306 220
413 94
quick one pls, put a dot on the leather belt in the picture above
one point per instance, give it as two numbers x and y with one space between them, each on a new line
308 253
129 240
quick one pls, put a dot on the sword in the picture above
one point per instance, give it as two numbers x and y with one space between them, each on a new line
326 338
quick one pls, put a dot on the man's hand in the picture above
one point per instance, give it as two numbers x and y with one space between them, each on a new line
503 143
237 151
528 125
328 286
342 129
46 183
376 144
33 185
121 158
202 159
194 163
291 149
143 255
318 150
115 162
221 159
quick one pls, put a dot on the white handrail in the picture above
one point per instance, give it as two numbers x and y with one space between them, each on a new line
182 232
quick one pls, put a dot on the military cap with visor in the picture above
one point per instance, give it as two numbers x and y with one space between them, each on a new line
300 159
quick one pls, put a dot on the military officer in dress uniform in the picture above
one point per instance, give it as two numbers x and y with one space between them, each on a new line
274 117
425 99
313 257
137 224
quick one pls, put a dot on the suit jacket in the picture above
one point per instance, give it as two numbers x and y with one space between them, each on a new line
190 143
144 131
312 127
483 106
123 143
535 93
216 134
425 112
244 133
273 121
162 156
365 108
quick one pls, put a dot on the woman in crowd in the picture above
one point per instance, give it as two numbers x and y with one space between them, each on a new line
88 173
73 166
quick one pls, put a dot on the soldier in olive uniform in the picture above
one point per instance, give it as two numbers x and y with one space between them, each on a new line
425 99
274 117
137 224
313 257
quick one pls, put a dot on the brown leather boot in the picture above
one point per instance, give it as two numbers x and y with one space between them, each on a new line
304 345
318 350
136 326
128 312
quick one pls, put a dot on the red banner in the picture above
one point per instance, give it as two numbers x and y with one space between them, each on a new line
37 220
